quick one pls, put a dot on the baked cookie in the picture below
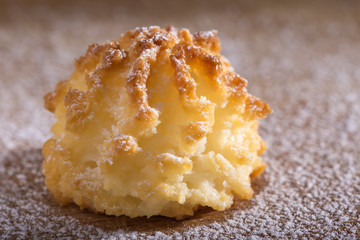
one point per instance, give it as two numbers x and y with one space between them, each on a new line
154 123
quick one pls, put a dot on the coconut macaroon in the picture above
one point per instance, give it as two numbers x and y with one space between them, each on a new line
154 123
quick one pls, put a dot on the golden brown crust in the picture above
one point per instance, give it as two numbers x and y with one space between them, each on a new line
91 57
194 131
208 40
155 122
76 104
51 99
114 55
123 145
136 83
255 108
235 85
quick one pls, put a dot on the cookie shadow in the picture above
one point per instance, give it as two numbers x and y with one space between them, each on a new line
26 180
204 216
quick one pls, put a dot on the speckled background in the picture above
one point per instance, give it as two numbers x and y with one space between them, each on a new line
302 57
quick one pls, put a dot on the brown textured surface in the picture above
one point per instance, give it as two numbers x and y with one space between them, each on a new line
301 58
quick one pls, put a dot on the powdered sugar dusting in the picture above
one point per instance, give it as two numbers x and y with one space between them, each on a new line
303 60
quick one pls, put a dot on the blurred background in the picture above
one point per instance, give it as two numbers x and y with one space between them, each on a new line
273 44
301 57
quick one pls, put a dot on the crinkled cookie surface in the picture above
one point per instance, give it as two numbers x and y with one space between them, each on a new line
153 123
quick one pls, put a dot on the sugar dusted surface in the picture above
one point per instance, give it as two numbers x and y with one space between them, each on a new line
302 59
